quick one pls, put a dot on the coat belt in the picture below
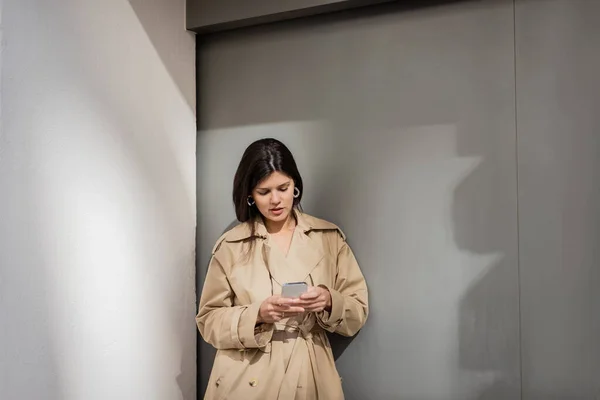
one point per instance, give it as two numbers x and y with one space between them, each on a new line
301 349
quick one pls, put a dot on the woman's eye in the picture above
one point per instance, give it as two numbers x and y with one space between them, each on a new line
284 189
263 193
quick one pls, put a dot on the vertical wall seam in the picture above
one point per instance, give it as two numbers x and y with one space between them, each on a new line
517 200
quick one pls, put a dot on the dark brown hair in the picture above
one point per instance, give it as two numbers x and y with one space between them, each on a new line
261 159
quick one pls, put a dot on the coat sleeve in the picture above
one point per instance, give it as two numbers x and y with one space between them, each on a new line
349 297
223 325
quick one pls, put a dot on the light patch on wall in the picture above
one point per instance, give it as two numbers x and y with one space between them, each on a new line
92 208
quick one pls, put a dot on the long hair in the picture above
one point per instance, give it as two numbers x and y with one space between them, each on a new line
261 159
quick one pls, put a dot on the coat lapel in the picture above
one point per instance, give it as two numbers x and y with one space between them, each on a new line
304 256
275 265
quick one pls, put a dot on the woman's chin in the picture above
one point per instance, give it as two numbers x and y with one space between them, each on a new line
278 217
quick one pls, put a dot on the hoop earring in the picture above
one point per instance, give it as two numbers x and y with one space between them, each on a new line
250 201
296 192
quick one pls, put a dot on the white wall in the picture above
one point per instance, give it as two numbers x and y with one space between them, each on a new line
97 201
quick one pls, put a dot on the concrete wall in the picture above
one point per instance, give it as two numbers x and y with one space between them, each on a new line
403 124
559 197
97 201
458 148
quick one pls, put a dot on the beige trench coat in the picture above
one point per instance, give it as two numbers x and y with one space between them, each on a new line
291 359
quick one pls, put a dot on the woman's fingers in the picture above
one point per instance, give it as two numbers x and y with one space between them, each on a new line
286 305
309 295
311 302
282 307
281 301
289 309
316 306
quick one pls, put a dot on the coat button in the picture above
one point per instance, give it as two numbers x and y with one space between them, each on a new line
254 382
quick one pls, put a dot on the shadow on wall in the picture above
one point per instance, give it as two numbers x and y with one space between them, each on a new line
164 24
484 214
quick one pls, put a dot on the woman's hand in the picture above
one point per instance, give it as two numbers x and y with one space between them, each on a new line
275 308
316 299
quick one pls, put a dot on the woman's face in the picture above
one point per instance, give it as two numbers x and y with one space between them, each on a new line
274 197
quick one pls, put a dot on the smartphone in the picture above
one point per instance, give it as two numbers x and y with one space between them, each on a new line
293 289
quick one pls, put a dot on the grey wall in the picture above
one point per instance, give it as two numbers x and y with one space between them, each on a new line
403 124
559 197
97 201
443 164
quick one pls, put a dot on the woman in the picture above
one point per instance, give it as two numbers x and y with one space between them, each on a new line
271 347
